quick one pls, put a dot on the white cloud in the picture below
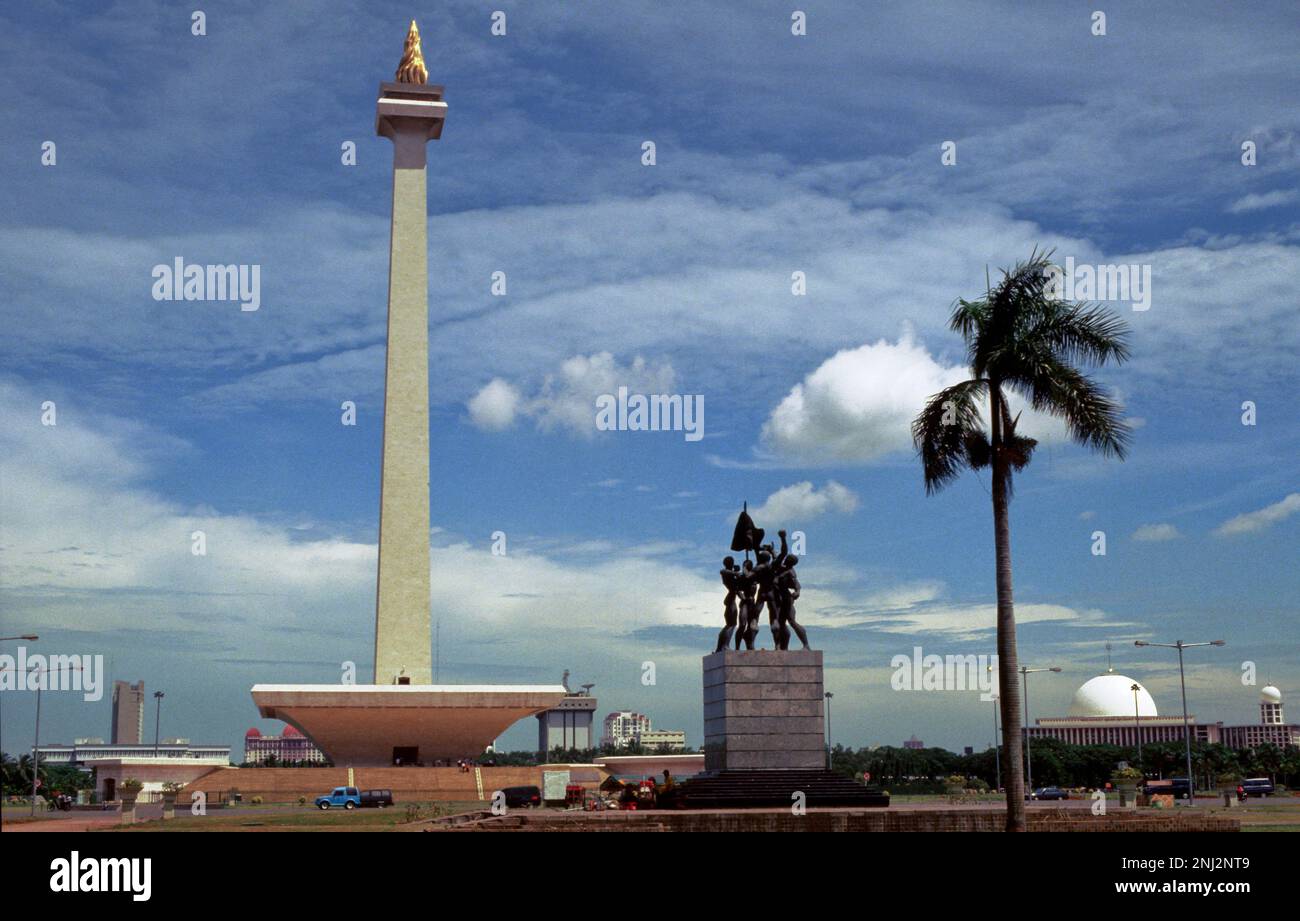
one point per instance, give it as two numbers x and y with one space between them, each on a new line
858 406
1257 201
494 407
1260 519
799 502
970 622
1156 532
566 399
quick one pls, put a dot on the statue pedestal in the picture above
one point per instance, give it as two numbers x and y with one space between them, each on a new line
764 710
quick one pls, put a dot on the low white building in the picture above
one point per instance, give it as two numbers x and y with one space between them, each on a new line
654 740
172 761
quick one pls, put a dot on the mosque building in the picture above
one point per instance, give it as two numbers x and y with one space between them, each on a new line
1113 709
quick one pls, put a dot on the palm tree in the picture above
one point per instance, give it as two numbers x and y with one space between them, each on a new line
1021 338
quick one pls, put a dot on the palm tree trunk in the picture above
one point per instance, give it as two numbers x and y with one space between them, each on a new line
1008 664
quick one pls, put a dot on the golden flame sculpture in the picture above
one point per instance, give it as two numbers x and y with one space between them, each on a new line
412 69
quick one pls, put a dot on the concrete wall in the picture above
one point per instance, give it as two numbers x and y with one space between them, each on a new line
285 785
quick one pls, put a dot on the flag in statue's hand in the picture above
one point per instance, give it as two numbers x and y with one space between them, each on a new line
747 537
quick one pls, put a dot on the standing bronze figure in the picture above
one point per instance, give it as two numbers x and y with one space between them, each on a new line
730 574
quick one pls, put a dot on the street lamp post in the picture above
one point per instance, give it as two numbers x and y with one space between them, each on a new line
36 741
829 757
1187 731
1137 722
30 637
997 749
36 746
157 720
1024 683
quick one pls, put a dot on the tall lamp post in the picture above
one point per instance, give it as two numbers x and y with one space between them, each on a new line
1187 731
36 741
1137 722
997 749
30 637
829 757
1024 683
157 720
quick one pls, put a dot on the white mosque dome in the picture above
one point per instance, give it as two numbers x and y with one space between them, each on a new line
1111 695
1270 695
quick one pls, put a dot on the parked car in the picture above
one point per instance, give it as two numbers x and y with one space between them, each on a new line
1178 787
345 797
522 797
1258 786
377 799
1046 793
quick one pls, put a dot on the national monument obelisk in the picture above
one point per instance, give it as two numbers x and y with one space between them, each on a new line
403 718
409 113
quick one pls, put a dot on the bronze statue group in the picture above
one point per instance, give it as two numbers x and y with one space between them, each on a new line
767 581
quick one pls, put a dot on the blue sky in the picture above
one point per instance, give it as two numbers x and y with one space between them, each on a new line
775 153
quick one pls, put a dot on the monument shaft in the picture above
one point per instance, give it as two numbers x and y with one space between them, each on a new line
409 115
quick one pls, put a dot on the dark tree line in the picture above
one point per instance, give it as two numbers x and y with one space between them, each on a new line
1057 763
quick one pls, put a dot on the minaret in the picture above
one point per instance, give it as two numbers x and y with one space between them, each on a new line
1270 706
409 113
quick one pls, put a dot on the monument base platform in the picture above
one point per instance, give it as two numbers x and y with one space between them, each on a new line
763 710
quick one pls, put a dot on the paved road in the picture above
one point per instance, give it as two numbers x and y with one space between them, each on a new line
76 820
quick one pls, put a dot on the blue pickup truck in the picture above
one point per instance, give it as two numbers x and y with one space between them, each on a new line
346 797
351 798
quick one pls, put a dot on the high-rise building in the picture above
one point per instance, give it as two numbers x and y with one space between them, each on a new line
622 727
128 713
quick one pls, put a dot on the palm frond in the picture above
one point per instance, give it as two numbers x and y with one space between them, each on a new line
1091 416
1080 333
968 317
942 430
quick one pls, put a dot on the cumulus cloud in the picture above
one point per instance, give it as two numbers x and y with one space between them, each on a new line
858 406
566 399
494 407
800 502
1260 519
1156 532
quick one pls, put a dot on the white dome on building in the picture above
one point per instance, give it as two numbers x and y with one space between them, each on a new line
1111 695
1270 695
